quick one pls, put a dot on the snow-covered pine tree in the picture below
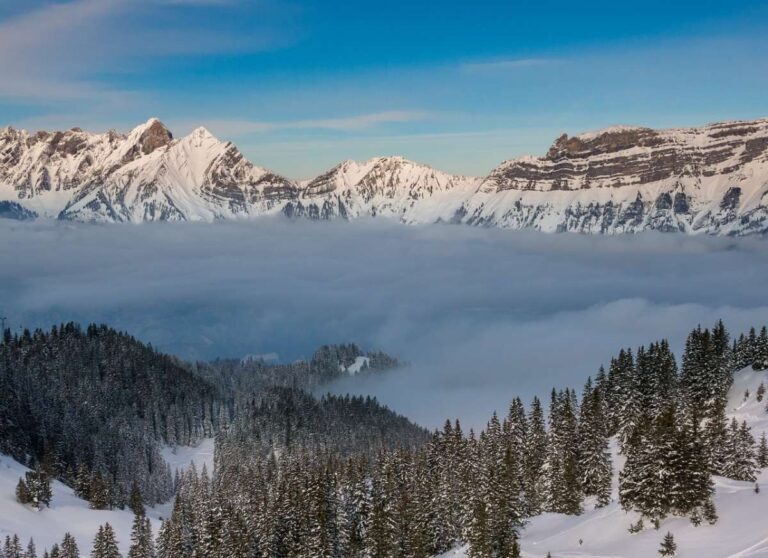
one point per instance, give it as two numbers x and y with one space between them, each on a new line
692 484
69 547
564 488
12 547
762 452
39 488
170 542
142 542
626 409
100 493
105 544
594 457
380 531
715 435
668 546
135 501
22 493
761 350
31 551
740 458
535 460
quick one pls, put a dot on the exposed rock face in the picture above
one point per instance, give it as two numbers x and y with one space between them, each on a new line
146 175
711 180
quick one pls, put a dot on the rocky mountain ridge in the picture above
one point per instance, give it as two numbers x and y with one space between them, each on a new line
712 179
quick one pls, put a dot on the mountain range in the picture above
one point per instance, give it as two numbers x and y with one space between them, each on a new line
625 179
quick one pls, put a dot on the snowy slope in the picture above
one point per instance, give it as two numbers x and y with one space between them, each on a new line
68 513
623 179
356 366
741 532
391 187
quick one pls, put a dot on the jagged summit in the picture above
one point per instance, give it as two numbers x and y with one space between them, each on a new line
711 179
143 175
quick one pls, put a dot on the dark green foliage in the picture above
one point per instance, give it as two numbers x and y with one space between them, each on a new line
12 547
668 546
762 452
135 501
129 397
142 543
105 544
69 547
22 493
35 489
31 551
595 460
329 362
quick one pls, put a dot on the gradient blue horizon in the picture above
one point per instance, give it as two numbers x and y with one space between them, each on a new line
301 85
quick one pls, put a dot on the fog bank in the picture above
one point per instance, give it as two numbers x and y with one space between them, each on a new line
480 314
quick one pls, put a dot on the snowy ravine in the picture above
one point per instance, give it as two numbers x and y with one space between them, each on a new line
711 180
741 531
68 513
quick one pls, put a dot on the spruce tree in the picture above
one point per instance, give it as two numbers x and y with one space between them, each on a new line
594 458
105 544
39 488
564 488
31 551
762 452
142 543
12 547
668 546
100 495
69 547
22 493
135 501
535 460
740 457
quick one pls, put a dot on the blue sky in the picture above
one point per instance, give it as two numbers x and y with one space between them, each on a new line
301 85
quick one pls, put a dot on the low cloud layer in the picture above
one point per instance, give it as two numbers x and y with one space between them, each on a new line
481 315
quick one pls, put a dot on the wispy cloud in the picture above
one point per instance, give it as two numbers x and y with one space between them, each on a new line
58 50
506 65
237 127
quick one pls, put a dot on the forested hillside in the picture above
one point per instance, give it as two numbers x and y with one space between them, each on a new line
296 476
95 401
482 489
328 363
90 407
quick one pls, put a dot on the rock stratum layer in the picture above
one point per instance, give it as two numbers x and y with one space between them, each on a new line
712 180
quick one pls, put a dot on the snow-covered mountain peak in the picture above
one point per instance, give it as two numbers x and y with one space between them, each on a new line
620 179
202 132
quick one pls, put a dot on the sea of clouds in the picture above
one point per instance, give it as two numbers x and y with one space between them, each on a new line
481 315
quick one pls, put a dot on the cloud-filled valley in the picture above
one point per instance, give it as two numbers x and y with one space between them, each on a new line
480 315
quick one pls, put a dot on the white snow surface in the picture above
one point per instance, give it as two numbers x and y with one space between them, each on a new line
741 532
355 367
181 457
68 513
